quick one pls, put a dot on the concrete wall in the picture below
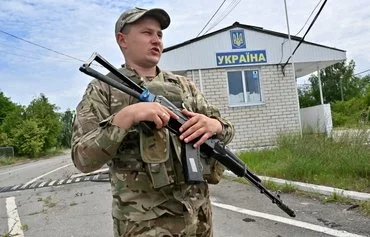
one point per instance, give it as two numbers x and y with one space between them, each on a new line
256 125
317 119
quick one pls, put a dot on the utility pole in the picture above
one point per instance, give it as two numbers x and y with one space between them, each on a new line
293 68
341 88
320 86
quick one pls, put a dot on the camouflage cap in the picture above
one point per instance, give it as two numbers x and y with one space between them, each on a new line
136 13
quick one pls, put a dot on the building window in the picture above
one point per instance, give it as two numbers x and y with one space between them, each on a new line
244 87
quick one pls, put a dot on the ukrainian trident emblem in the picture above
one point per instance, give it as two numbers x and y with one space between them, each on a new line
237 39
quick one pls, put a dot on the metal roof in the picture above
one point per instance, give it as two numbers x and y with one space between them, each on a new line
247 27
200 52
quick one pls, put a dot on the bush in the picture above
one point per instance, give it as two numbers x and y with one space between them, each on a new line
349 112
4 139
29 138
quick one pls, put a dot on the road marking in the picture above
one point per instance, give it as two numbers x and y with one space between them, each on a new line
33 180
24 186
14 223
91 173
15 187
42 184
300 224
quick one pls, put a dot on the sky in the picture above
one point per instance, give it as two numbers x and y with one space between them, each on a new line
79 28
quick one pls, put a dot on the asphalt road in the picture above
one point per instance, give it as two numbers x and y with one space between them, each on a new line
83 209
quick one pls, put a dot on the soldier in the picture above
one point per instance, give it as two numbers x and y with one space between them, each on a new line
150 195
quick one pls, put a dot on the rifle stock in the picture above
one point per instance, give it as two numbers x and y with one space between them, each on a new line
212 147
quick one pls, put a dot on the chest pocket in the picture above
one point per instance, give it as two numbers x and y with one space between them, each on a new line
171 90
155 146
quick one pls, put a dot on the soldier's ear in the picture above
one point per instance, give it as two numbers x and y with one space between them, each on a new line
121 40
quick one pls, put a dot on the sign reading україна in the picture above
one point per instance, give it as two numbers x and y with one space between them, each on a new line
240 57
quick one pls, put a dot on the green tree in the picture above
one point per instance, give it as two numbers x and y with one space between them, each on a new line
12 120
338 83
367 98
4 139
6 106
348 112
306 98
44 113
365 87
356 110
66 133
29 138
34 129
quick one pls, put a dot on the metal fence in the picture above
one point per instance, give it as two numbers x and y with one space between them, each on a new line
6 152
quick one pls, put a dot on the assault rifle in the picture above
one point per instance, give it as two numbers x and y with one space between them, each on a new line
211 148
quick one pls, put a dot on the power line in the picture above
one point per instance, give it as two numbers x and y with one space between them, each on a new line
23 52
38 45
285 40
309 28
212 17
7 45
19 55
309 17
32 57
362 72
221 18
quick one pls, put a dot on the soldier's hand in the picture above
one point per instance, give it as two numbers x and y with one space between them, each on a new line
199 126
143 111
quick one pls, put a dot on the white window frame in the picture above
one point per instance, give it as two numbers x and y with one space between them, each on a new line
246 103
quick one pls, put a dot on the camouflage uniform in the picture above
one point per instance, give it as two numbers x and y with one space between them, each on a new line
146 201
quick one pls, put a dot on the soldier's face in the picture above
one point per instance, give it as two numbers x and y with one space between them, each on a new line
142 43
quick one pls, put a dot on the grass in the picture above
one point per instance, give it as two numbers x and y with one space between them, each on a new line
337 197
5 161
365 207
24 227
48 202
285 188
342 163
10 160
6 234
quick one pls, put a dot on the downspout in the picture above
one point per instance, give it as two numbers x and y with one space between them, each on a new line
320 86
200 80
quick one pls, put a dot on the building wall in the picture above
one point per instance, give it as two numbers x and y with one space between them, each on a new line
257 125
202 53
317 119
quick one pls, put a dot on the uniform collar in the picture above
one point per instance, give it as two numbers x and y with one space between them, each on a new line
133 72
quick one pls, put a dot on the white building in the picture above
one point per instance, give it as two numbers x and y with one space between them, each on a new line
240 70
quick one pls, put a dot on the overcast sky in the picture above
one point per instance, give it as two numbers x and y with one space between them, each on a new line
78 28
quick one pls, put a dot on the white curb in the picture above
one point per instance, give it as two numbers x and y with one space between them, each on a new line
313 187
